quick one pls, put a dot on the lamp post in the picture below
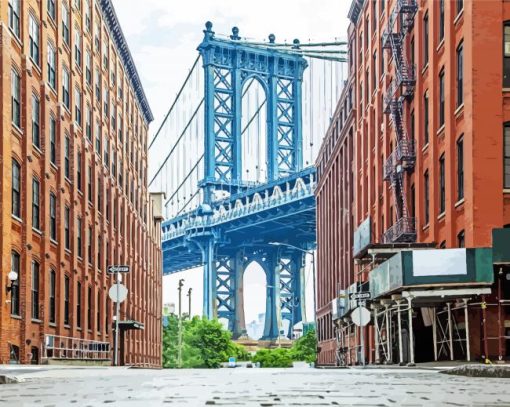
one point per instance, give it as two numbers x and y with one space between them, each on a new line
179 355
313 268
189 303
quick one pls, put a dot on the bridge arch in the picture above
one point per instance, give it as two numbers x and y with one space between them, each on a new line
254 298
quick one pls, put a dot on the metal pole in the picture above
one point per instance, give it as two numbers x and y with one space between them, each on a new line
400 345
434 332
466 324
361 332
411 335
189 303
450 329
179 355
314 294
388 334
117 312
501 322
376 323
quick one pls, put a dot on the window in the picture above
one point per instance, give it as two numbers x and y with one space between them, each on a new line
77 47
67 165
14 16
506 56
412 124
89 308
107 152
426 197
441 20
413 201
442 192
65 24
412 52
15 266
52 80
36 224
53 216
88 123
460 74
441 99
89 245
65 88
506 143
99 194
33 31
426 118
36 129
16 189
53 140
88 67
382 5
53 296
98 313
460 168
98 86
77 106
89 183
79 241
461 239
66 300
67 235
105 101
99 247
52 10
15 98
98 139
426 39
460 5
78 304
77 5
87 15
374 71
35 290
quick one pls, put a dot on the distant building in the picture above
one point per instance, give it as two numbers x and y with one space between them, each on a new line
255 329
74 187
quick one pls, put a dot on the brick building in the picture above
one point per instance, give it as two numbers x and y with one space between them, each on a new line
74 186
431 162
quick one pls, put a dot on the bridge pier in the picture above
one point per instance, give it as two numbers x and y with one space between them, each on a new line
273 310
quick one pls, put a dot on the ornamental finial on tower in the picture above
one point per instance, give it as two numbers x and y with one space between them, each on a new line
296 44
272 38
208 32
235 34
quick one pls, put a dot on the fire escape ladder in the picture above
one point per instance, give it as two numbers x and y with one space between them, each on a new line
401 89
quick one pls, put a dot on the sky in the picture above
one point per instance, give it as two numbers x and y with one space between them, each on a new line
163 36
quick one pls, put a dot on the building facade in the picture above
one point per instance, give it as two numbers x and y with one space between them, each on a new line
74 187
431 162
335 198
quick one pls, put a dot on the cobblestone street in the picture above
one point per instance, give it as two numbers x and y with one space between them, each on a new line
250 387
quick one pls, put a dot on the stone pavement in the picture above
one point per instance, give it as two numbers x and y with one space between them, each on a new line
250 387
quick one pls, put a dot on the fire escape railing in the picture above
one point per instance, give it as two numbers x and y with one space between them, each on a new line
401 89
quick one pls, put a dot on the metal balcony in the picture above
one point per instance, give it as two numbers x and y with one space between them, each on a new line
403 231
406 153
389 167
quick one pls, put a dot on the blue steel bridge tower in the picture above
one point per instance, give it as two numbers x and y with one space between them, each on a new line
237 221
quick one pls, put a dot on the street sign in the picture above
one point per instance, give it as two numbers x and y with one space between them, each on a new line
360 316
118 292
364 295
118 269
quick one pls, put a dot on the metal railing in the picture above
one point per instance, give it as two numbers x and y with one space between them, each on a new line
64 347
404 230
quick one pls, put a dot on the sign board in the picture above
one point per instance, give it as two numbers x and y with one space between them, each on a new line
165 321
121 290
118 269
364 295
360 316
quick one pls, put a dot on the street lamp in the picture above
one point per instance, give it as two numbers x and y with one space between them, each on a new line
313 269
179 360
13 277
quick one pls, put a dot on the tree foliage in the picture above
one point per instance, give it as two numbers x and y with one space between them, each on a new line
205 344
305 348
279 357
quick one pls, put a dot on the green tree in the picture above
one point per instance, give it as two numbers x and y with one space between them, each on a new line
279 357
305 348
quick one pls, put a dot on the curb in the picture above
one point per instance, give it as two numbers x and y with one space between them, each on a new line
6 379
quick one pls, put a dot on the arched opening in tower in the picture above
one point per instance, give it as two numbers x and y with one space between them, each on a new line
254 132
255 293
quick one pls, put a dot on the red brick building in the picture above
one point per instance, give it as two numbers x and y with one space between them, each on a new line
432 139
73 186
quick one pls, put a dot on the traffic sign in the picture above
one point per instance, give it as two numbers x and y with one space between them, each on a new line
360 316
118 292
363 295
118 269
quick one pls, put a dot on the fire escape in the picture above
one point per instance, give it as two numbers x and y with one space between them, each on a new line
401 90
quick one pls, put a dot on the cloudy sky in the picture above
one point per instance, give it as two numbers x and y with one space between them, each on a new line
163 36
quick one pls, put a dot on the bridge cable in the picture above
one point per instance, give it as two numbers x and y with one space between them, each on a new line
175 101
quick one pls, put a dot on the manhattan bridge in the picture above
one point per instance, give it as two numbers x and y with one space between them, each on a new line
235 157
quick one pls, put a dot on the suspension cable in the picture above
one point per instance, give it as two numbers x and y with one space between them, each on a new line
185 179
175 101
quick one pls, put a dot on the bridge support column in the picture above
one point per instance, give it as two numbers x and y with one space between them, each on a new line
239 321
273 310
210 306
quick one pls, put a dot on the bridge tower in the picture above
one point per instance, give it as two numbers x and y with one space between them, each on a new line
228 65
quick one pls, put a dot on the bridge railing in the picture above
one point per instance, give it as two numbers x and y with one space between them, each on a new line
243 206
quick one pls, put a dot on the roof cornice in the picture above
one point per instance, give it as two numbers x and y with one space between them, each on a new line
120 41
